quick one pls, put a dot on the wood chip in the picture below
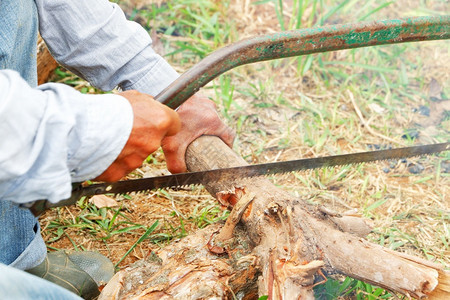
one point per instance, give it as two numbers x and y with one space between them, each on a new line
101 201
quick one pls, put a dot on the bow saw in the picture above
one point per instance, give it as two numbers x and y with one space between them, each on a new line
268 47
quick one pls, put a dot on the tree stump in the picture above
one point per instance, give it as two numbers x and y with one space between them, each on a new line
280 248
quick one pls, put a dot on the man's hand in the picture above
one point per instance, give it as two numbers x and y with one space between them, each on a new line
198 117
152 122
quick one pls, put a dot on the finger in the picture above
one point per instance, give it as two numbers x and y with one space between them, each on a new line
121 167
175 159
166 120
112 174
175 122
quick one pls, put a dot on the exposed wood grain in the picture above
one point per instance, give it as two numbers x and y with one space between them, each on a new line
279 220
284 242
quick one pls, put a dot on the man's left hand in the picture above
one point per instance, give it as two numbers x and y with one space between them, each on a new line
198 117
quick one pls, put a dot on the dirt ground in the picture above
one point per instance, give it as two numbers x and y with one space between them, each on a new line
407 201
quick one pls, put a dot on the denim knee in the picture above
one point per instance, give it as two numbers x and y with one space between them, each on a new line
20 242
18 38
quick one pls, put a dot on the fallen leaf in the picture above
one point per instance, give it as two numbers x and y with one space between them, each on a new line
376 108
101 201
435 90
437 114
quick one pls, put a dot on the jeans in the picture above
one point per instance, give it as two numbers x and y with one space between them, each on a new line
21 244
16 284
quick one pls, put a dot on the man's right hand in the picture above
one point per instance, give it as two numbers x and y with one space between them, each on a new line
152 122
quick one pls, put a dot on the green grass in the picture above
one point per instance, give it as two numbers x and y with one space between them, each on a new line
140 240
224 91
203 216
198 20
101 223
388 77
350 288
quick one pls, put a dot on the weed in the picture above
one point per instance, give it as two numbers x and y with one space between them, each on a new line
208 215
140 240
224 94
200 24
349 288
391 79
102 223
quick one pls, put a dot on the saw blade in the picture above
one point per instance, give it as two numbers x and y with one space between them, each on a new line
231 174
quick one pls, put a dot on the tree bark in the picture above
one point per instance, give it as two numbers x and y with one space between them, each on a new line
46 64
280 247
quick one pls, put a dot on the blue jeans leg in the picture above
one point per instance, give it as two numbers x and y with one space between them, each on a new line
18 38
16 284
21 244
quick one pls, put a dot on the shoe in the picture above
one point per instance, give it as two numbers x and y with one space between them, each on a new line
82 273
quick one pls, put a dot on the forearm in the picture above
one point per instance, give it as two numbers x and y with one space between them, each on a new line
93 39
54 135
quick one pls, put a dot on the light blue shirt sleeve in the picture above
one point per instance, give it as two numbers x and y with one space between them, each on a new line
93 39
53 135
63 136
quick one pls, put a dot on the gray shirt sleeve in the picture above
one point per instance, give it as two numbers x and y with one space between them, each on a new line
93 39
53 135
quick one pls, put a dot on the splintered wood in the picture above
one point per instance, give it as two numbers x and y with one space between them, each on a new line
282 245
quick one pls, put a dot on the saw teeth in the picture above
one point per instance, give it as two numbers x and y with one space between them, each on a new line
190 180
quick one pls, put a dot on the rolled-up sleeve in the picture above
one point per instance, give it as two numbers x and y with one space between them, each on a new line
53 135
93 39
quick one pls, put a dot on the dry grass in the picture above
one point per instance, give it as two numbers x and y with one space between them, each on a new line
293 115
414 215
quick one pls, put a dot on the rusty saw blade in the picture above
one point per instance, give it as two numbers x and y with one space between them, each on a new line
231 174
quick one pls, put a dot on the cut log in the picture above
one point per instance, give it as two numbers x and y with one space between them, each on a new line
282 244
46 64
